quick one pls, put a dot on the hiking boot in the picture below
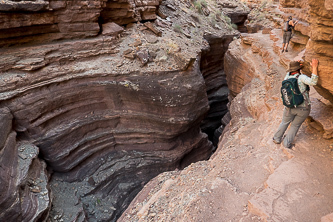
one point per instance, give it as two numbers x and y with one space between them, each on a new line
282 50
276 142
290 146
286 50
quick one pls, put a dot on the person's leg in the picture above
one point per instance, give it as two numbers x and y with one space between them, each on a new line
284 39
300 115
286 48
288 37
286 120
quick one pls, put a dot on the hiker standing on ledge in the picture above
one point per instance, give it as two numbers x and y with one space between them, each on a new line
287 30
296 116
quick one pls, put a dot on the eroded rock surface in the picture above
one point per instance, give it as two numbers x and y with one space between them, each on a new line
107 113
24 191
250 178
315 23
212 68
108 107
115 128
49 20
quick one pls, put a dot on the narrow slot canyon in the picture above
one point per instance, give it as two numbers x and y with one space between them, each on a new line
212 69
160 110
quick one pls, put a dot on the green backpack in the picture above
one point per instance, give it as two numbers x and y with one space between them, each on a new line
290 93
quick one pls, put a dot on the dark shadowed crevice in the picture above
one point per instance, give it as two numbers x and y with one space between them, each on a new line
212 69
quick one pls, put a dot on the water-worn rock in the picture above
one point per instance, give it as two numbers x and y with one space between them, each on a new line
103 124
24 188
212 68
249 178
94 119
316 22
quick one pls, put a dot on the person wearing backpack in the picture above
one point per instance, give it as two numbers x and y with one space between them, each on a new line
296 115
287 30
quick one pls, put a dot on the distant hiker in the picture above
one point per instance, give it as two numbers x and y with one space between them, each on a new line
287 30
297 115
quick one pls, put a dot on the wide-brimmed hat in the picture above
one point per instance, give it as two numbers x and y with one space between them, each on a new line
294 66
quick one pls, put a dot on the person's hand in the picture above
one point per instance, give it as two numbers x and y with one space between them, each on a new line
314 63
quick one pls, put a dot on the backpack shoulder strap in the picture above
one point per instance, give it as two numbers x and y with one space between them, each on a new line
307 102
296 86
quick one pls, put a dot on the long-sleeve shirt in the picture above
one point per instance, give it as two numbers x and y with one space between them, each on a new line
304 80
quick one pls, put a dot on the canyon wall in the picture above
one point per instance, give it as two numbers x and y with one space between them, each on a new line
95 103
314 32
250 178
97 97
24 181
50 20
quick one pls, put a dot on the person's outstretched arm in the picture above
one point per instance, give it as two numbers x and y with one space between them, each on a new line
314 77
293 23
314 65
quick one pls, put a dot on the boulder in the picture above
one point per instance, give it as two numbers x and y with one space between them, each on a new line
112 29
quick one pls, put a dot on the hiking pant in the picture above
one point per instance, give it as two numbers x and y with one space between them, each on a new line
286 37
295 116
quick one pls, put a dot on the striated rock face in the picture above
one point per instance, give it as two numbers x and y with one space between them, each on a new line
321 44
103 131
124 12
108 107
50 20
212 68
316 23
24 191
106 113
250 178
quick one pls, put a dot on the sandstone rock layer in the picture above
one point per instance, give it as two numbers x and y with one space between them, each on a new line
250 178
106 107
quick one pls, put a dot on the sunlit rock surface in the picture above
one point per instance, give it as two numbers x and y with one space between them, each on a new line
105 106
250 178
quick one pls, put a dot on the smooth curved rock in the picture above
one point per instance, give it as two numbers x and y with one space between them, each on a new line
104 122
118 129
104 129
249 178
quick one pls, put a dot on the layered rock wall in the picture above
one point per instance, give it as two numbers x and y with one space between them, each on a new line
125 12
106 113
250 178
212 68
315 32
24 191
86 119
45 21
